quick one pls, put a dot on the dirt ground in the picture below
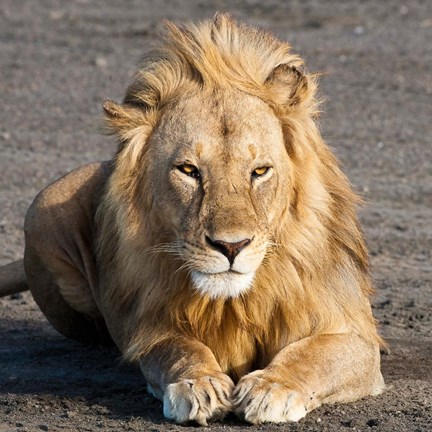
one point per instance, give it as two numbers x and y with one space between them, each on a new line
59 60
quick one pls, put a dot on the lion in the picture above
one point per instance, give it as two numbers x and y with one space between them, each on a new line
220 248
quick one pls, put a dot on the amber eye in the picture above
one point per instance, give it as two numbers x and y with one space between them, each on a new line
260 171
190 170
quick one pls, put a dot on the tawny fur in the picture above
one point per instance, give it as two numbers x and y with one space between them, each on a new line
318 250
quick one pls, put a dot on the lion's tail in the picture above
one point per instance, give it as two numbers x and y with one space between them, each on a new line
13 278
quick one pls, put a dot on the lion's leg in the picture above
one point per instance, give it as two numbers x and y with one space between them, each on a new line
58 258
82 321
306 374
184 373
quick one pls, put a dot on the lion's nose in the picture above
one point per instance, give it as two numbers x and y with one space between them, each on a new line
230 250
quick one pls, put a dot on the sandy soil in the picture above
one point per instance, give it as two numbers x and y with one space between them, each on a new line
59 60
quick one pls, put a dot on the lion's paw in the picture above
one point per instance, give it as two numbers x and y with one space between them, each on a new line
201 400
259 400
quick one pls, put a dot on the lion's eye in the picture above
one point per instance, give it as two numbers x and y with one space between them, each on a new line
260 171
190 170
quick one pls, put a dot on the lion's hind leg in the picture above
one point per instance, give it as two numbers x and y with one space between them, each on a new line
58 259
67 303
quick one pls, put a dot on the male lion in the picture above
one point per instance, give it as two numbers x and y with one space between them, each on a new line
220 248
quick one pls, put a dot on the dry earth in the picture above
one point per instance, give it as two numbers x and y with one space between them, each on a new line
59 60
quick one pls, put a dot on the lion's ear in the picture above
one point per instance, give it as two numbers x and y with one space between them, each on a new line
287 86
122 119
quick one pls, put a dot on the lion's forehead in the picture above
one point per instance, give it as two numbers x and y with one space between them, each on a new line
234 125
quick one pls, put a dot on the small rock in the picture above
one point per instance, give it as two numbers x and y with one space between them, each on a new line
359 30
102 410
5 136
43 427
426 23
57 15
101 62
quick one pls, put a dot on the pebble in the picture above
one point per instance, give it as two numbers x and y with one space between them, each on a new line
426 23
57 15
101 62
5 136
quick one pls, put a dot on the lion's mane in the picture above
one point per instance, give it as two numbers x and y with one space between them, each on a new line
313 280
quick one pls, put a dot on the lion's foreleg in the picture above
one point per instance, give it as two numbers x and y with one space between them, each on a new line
306 374
184 373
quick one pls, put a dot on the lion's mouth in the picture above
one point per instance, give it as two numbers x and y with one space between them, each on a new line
224 272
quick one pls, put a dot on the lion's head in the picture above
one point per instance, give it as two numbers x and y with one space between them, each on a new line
218 181
223 186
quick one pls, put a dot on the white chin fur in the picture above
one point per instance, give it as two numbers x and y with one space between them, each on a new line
222 285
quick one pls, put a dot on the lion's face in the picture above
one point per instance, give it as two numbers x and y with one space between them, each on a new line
218 176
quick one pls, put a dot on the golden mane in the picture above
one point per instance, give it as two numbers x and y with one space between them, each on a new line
216 53
315 277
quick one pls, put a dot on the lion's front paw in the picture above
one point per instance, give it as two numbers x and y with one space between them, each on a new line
200 400
259 400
